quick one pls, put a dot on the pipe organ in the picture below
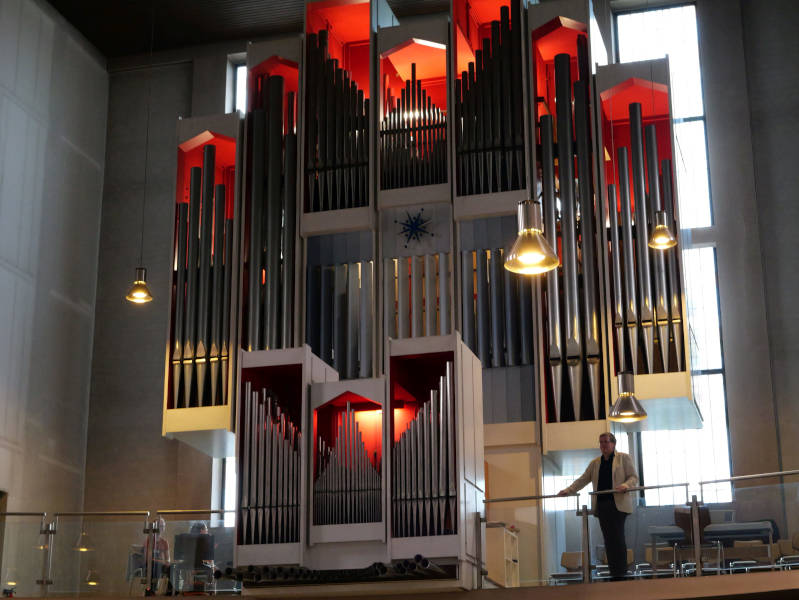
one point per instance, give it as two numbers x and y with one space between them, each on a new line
360 453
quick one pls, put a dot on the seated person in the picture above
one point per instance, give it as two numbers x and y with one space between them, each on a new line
161 557
194 552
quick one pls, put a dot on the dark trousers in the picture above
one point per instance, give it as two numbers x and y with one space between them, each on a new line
611 520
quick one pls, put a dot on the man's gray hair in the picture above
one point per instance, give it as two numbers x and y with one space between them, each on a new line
609 435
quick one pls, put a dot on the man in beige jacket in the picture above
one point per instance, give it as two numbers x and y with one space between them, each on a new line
610 471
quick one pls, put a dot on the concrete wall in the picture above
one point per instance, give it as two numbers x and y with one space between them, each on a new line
750 407
53 101
129 464
771 48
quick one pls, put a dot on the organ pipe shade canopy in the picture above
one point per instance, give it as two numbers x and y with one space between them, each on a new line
83 543
626 409
531 253
662 238
139 293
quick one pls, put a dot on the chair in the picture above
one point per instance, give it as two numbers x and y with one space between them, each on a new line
573 563
137 563
684 552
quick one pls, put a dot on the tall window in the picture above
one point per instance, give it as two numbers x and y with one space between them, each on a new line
240 88
689 455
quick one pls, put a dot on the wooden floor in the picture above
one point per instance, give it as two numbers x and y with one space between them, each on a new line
777 585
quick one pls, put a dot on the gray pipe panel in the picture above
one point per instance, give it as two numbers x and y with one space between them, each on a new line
365 325
403 313
525 303
430 300
416 296
497 310
467 298
483 327
353 318
389 303
511 297
443 293
326 323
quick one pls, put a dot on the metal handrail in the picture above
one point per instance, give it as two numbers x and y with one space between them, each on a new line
520 498
103 513
23 514
748 477
639 488
193 511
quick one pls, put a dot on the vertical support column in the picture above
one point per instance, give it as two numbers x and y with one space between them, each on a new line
586 547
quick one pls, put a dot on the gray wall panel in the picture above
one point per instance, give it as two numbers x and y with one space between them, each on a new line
53 102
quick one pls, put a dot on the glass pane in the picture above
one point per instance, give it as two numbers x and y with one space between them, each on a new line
230 491
241 88
197 548
692 174
671 456
22 558
102 556
699 267
656 33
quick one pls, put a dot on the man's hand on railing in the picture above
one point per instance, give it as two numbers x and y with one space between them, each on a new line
564 493
622 487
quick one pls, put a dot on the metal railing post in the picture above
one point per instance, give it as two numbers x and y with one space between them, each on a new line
478 547
151 530
48 530
696 534
586 546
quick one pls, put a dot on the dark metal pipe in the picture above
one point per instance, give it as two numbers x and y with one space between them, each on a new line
180 299
203 308
274 163
216 397
289 228
642 233
190 329
258 122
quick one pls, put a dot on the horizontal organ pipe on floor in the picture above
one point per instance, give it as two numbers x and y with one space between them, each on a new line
202 280
339 316
417 296
272 220
496 310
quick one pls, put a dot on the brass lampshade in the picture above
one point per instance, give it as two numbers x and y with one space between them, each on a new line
83 543
531 253
662 238
626 409
139 293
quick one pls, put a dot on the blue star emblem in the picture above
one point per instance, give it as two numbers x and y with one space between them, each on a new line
414 227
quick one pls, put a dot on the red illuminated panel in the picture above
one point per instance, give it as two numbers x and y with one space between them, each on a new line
615 102
558 36
430 59
348 26
257 76
190 154
473 24
368 417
